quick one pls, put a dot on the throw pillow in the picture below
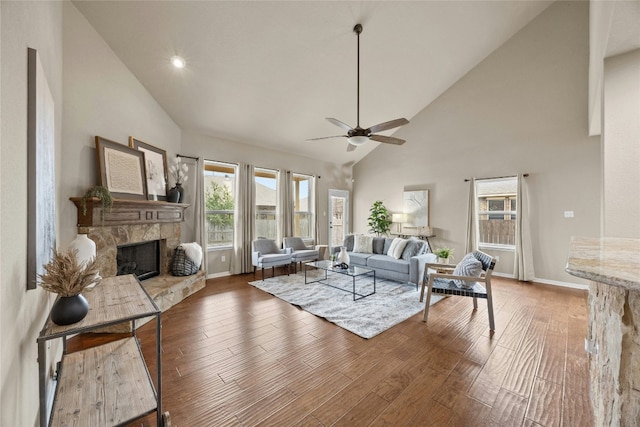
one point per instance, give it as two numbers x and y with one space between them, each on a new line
363 244
392 246
387 245
378 245
414 247
469 266
396 248
348 243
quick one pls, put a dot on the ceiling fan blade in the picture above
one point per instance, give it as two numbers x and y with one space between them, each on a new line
339 124
388 125
387 139
327 137
351 147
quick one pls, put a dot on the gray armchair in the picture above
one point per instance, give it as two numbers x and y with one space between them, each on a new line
265 254
300 252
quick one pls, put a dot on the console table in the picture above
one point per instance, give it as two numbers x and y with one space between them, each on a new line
108 384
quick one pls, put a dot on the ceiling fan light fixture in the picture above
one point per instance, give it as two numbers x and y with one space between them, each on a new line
357 140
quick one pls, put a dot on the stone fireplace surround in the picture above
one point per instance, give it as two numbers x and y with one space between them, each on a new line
135 221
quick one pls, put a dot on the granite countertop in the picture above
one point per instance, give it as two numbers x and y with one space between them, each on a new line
609 260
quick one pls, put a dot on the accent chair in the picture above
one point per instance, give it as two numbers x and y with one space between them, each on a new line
265 253
447 279
300 252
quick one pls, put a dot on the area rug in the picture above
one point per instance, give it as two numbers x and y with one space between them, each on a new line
392 303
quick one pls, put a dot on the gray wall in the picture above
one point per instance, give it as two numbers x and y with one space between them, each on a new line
101 97
331 177
621 147
523 109
22 314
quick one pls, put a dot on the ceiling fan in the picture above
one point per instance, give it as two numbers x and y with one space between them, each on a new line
358 136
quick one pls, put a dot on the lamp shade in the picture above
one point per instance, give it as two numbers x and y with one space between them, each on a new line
357 140
399 217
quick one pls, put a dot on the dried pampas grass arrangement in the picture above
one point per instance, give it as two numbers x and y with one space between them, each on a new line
65 277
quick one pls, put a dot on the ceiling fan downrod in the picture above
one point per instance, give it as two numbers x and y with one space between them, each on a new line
358 29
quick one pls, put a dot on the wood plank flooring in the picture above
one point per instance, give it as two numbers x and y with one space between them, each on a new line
236 356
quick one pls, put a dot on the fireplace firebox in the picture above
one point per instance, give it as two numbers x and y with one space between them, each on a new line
140 259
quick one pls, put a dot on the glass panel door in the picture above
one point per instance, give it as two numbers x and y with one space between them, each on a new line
338 217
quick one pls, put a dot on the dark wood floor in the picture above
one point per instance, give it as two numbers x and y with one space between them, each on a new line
236 356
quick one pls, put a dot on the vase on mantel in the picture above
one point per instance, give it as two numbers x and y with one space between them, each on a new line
173 195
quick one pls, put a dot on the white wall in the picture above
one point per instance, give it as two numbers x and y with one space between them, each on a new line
523 109
37 25
621 145
102 97
331 176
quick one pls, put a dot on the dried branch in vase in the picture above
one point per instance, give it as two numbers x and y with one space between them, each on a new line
65 277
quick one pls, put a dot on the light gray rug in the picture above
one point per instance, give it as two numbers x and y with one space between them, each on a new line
392 303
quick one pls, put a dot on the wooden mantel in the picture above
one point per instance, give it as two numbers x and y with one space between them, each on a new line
129 211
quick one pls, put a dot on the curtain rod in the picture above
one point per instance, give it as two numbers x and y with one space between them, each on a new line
497 177
188 157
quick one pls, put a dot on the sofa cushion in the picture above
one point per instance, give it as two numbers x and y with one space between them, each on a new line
363 244
469 266
356 258
385 262
378 245
396 248
414 247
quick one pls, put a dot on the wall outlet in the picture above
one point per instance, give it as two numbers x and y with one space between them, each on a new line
497 257
590 347
223 258
568 214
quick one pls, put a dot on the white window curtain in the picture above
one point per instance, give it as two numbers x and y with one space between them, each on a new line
244 222
316 207
523 262
472 220
193 228
285 205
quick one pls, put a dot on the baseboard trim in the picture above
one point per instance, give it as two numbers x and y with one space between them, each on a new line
563 284
216 275
547 282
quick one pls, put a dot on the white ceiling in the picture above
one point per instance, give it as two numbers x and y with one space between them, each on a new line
268 73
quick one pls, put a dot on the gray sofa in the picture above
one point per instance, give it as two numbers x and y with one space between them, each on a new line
408 268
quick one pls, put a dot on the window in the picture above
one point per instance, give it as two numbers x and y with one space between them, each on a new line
220 196
496 210
303 206
266 181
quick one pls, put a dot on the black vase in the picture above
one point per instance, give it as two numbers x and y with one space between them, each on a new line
173 195
68 310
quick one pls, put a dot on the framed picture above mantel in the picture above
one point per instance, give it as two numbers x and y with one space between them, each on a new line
155 167
121 169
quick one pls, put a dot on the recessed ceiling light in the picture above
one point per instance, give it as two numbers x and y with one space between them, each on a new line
178 62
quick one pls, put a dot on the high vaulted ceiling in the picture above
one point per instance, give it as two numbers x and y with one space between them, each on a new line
268 73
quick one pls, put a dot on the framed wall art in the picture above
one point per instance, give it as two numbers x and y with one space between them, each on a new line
41 175
156 168
121 169
416 207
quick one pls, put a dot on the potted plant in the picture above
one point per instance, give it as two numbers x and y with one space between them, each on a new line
68 278
444 254
379 219
101 193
